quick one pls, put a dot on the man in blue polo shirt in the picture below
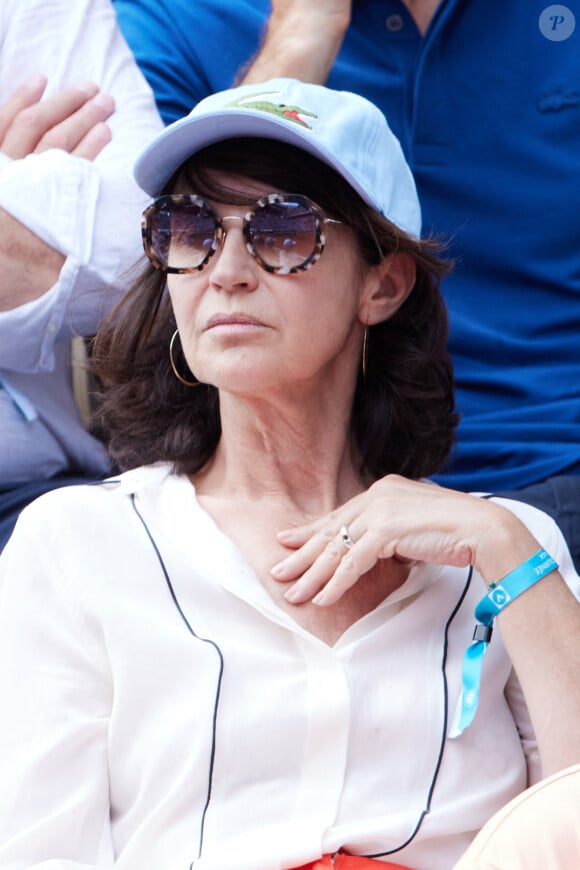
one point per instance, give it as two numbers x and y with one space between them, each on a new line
486 103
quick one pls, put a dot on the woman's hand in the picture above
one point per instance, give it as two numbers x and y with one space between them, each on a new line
405 520
402 519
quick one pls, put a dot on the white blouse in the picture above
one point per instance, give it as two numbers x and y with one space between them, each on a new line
159 711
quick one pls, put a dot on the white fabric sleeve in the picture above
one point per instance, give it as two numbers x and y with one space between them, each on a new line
54 789
89 211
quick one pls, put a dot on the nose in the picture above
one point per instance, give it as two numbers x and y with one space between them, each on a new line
233 267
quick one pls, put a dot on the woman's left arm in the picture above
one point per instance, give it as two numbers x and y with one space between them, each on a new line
408 520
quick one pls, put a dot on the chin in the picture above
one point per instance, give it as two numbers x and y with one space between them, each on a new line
237 380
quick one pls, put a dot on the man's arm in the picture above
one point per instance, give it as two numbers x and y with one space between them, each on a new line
302 41
72 120
85 209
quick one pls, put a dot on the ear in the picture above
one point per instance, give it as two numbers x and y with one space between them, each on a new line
386 287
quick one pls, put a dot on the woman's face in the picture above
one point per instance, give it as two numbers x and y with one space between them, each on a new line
249 331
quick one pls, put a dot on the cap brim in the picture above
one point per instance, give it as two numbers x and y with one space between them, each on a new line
186 137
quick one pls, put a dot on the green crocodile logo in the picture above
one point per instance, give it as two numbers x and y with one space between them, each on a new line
259 104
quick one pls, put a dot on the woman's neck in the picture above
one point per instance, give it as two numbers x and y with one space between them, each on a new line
285 452
284 465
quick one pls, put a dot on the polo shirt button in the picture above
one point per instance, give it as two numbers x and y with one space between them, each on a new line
394 23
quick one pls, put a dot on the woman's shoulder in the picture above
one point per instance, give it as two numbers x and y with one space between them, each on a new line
85 504
90 525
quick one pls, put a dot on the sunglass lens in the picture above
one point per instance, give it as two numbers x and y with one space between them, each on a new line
283 234
183 234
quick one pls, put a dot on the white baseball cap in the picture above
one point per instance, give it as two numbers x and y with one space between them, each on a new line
341 129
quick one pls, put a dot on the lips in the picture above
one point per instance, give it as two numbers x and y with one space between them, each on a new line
236 319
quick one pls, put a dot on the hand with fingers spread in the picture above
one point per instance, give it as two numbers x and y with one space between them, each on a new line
405 520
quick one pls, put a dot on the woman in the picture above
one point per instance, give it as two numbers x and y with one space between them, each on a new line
249 654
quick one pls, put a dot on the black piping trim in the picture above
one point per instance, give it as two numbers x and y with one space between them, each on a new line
425 812
427 809
220 675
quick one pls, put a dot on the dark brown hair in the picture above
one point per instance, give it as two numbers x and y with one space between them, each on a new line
402 418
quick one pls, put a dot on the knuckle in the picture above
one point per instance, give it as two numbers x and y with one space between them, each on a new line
349 566
54 139
332 549
392 479
27 122
327 534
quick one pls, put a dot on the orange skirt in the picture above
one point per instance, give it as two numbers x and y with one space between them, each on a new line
349 862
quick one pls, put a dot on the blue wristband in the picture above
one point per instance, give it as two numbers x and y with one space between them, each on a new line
499 596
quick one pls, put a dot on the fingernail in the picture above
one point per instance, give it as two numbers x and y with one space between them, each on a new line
88 88
104 101
292 594
320 599
101 133
278 570
36 81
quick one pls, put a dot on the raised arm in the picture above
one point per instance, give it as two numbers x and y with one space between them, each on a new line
408 520
301 41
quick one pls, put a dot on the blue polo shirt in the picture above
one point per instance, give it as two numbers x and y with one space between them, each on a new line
487 108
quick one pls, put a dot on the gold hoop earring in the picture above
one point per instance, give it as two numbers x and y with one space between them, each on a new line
174 367
365 352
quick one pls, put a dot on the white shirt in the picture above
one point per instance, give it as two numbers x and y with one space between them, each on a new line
164 713
89 211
